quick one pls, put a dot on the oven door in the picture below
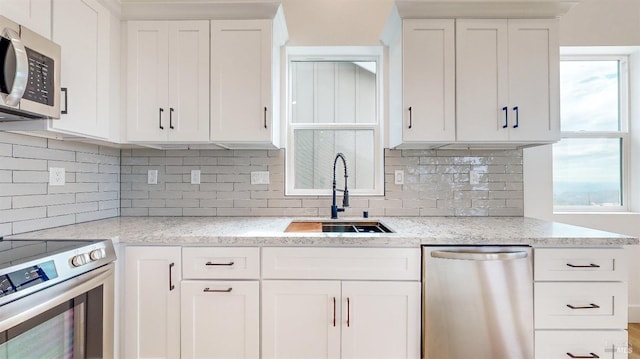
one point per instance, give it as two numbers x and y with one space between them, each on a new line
73 319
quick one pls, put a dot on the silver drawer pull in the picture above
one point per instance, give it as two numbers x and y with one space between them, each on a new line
591 355
579 266
590 306
209 290
219 264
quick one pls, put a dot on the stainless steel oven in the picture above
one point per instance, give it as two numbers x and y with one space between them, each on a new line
56 299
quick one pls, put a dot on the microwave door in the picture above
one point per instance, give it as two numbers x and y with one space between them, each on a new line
15 68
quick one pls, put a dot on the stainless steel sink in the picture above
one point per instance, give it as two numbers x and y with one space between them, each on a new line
339 227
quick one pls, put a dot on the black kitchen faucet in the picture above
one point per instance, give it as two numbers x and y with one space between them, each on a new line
345 196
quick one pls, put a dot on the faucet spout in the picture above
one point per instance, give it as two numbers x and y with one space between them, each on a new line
345 192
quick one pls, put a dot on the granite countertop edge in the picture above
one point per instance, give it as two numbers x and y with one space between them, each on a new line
269 231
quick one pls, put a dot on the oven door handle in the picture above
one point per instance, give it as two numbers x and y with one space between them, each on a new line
22 68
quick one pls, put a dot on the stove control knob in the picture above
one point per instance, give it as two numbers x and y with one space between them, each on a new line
96 254
78 260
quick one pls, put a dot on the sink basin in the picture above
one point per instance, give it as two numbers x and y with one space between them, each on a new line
339 227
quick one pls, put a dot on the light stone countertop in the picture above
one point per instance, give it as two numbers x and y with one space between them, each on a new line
269 231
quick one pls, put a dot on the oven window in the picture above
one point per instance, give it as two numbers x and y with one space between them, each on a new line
72 329
51 339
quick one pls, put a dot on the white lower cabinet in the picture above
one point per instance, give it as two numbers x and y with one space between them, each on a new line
340 319
581 344
152 302
580 303
220 319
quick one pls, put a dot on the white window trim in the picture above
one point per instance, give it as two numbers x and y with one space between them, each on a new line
623 133
336 53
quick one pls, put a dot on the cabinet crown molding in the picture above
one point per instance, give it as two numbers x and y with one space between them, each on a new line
425 9
199 10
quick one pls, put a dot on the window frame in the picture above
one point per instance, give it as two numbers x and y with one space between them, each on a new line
335 53
622 133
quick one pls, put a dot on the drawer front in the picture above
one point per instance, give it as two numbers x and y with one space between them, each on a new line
574 264
580 305
220 263
341 263
553 344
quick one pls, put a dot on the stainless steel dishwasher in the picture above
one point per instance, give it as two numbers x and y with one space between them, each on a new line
477 302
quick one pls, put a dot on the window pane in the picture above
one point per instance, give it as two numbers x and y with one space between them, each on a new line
315 151
333 92
587 172
589 95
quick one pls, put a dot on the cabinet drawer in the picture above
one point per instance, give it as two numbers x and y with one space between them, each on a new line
596 305
341 263
220 263
593 264
554 344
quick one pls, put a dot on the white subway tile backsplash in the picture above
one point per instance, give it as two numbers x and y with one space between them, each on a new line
28 203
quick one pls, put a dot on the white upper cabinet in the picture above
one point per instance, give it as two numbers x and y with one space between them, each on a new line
507 81
241 81
168 81
483 75
34 14
427 75
245 76
83 29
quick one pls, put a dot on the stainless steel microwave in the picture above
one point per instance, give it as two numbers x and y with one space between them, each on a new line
29 74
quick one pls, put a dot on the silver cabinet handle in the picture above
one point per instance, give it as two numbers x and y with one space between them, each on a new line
479 256
209 290
22 68
590 306
219 264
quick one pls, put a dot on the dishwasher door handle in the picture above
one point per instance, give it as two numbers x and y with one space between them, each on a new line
479 256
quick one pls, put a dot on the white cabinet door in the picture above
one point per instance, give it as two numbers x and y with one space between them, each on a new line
481 80
81 28
381 320
187 118
241 81
147 80
220 319
168 81
507 80
34 14
152 302
428 78
300 319
534 80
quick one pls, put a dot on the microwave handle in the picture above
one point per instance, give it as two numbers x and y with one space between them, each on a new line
22 68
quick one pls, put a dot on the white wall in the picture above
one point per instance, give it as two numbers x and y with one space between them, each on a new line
596 23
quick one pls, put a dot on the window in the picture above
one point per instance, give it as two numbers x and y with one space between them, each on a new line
334 106
589 162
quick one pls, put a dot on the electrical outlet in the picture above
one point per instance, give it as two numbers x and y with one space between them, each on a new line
152 177
260 177
195 176
399 177
474 177
56 176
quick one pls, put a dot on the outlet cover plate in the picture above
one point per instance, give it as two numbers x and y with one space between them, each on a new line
260 177
399 177
195 176
56 176
152 177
